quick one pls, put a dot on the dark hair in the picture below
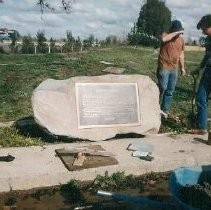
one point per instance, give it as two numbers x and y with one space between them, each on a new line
204 22
176 25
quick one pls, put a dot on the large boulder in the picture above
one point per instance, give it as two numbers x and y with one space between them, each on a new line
97 107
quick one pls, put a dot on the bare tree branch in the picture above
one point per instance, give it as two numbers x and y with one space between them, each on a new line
65 4
44 4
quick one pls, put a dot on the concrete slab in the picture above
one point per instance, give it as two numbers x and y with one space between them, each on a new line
38 166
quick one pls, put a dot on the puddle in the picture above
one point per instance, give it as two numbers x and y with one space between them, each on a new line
84 197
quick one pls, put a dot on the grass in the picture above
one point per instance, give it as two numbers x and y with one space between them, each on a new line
119 181
23 73
9 137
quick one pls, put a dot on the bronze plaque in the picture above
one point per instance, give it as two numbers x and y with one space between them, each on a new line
107 104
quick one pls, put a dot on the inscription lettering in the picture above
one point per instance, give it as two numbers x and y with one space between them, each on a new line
107 104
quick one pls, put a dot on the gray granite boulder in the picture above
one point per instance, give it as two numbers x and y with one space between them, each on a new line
98 107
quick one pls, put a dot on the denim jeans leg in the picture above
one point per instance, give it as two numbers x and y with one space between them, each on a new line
168 95
170 83
202 99
162 76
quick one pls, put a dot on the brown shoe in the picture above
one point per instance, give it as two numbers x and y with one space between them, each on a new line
197 131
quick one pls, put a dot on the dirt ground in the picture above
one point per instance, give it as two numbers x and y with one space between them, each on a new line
152 186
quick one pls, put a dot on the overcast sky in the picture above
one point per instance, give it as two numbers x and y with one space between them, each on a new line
98 17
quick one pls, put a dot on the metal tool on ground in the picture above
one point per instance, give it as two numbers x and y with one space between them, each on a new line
140 154
147 158
137 200
141 150
143 155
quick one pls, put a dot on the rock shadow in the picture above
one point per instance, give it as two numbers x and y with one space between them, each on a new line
199 140
27 126
127 135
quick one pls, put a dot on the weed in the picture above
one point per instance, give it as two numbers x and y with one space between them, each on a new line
71 191
119 181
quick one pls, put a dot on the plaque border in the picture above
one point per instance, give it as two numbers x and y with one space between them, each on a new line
77 84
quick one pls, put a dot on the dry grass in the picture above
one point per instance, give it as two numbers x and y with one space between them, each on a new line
194 48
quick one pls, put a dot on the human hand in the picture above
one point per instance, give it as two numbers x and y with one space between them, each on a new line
183 72
178 33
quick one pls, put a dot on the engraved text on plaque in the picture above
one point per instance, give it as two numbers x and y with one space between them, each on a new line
107 104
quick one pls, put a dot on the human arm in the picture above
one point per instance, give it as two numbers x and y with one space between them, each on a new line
165 37
182 63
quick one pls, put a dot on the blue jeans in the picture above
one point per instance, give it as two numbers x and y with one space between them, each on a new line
167 80
202 98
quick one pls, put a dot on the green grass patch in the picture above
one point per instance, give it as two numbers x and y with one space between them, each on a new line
9 137
119 181
23 73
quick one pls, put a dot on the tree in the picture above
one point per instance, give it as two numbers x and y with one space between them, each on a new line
88 43
53 45
27 45
136 37
108 40
91 40
41 45
133 37
15 36
154 18
111 40
69 42
78 44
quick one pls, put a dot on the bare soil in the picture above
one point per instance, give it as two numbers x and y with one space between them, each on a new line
84 197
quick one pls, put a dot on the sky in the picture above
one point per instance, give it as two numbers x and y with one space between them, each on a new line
98 17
